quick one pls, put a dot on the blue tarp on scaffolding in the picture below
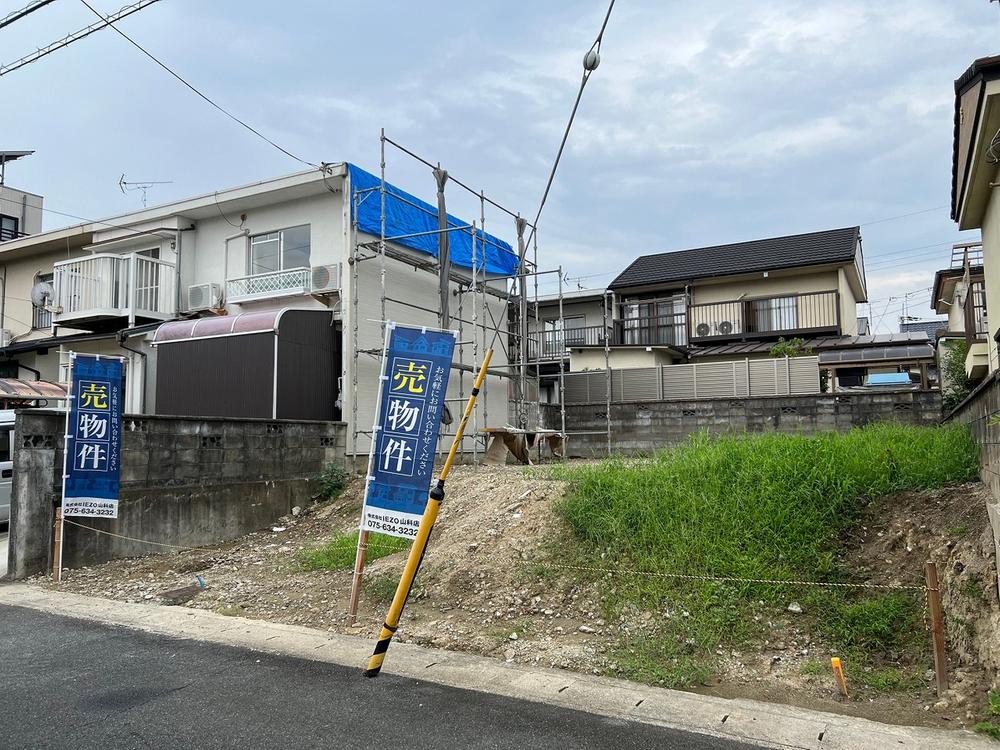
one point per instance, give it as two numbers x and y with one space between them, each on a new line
407 214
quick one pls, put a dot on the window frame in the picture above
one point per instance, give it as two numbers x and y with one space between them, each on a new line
16 230
281 249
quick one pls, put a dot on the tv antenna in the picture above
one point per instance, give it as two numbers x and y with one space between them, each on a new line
142 186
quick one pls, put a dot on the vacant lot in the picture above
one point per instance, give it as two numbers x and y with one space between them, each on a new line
552 565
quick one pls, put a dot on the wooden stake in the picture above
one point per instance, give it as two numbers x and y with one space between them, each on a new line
57 545
937 627
359 571
838 674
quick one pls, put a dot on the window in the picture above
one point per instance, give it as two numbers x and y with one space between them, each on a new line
656 321
775 314
5 442
8 228
279 251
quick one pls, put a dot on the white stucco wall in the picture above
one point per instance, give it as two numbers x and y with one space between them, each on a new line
991 267
23 206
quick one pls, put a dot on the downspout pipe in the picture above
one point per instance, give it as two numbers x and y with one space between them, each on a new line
122 337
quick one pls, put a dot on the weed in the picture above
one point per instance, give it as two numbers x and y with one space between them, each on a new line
875 624
380 589
814 668
989 729
994 702
332 480
231 610
338 553
767 506
888 680
958 530
972 587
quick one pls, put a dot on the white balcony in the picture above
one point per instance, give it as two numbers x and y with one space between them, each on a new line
107 286
291 281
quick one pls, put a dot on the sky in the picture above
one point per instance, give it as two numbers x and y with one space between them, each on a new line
705 123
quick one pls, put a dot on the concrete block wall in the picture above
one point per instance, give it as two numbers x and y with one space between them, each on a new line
642 427
185 481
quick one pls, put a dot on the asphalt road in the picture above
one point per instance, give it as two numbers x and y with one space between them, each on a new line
73 684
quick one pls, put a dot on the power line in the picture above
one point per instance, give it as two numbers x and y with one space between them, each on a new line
135 233
28 9
75 36
903 216
190 86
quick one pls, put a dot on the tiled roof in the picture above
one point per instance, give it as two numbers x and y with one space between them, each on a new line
930 327
793 251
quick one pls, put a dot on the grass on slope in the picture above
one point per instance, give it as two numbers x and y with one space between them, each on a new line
767 506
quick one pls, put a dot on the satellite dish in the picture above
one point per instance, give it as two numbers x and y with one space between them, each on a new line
42 294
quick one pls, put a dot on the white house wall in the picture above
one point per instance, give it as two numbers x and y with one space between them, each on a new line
204 259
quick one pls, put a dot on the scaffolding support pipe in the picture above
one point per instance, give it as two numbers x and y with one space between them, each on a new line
444 248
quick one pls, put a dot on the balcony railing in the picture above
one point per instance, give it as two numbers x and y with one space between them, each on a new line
662 330
267 285
113 286
556 344
793 314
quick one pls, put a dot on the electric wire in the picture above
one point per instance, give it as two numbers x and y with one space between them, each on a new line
588 69
74 37
17 15
203 96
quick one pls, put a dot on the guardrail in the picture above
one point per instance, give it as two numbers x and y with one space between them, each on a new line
267 285
112 286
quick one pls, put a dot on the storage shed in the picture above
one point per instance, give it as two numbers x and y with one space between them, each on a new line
274 364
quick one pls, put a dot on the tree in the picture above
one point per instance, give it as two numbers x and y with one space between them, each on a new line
954 379
797 347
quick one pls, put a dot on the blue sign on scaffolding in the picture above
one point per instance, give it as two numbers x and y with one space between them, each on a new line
93 437
415 371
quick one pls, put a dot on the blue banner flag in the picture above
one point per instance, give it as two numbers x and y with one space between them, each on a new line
93 438
415 372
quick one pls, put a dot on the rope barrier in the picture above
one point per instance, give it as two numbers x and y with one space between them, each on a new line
582 568
141 541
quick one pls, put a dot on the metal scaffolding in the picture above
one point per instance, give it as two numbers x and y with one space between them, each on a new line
485 310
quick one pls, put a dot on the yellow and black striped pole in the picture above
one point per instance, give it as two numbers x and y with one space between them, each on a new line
419 546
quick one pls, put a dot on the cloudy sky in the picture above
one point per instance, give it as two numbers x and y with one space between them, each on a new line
706 123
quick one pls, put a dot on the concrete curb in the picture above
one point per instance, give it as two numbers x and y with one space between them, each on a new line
767 724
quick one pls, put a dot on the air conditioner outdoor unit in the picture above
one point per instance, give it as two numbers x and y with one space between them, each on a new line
325 279
724 327
204 297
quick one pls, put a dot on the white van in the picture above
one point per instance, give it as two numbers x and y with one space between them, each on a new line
6 463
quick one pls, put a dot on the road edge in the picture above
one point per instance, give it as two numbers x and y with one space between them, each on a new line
767 724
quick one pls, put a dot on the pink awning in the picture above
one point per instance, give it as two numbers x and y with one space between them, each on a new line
222 325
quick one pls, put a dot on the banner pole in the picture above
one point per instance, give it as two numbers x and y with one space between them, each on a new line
419 545
359 570
57 551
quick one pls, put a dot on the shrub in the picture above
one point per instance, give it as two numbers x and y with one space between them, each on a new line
332 480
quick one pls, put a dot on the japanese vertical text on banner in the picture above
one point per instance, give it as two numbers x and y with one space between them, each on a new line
414 382
93 438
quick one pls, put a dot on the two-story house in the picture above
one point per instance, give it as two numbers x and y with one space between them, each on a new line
202 272
728 303
663 308
975 200
959 292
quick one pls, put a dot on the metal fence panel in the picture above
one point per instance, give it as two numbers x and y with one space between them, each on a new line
733 379
804 375
678 382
